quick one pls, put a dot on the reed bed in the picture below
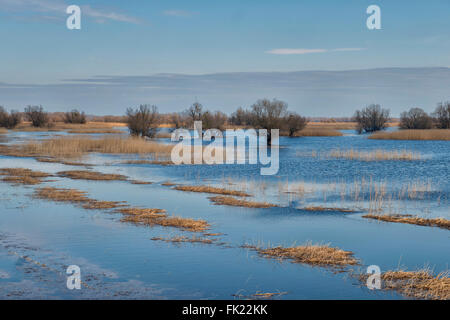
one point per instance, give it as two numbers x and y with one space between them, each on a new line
22 176
430 134
96 127
318 132
312 254
375 155
73 147
213 190
91 175
233 202
409 219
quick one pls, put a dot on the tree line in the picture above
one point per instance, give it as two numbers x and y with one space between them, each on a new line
266 114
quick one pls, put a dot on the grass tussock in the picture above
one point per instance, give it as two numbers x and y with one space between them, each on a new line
140 182
260 295
157 217
73 147
431 134
320 255
22 176
155 162
213 190
168 184
91 175
375 155
409 219
421 284
230 201
64 162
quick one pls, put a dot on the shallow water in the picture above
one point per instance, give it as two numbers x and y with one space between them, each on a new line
119 260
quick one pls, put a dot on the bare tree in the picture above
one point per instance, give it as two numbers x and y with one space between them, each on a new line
37 116
143 121
9 120
372 118
268 115
415 118
442 115
214 120
75 116
294 122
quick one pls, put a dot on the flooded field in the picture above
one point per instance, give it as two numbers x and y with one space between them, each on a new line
205 238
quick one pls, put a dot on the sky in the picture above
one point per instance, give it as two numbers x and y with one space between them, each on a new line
42 62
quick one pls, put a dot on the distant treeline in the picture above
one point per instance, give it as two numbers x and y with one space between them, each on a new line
263 114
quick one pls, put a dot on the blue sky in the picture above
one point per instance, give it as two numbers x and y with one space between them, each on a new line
143 38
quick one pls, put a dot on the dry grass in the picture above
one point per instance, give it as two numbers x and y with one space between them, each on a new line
421 284
156 162
325 209
408 219
433 134
76 197
230 201
375 155
140 182
260 295
96 127
23 176
3 130
318 132
91 175
73 147
168 184
152 217
213 190
321 255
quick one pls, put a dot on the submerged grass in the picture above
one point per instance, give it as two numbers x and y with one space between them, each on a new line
409 219
184 239
430 134
326 209
91 175
213 190
313 254
375 155
230 201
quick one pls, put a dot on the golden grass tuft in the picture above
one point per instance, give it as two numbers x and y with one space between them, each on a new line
140 182
22 176
155 162
408 219
320 255
61 161
230 201
260 295
157 217
430 134
73 147
375 155
168 184
213 190
91 175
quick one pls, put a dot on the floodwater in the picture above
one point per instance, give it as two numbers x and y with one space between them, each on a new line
40 239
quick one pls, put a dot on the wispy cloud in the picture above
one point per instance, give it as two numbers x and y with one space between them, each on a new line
56 9
179 13
286 51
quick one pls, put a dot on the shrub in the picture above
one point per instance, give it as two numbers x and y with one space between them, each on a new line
442 116
415 118
143 121
294 122
372 118
37 116
75 116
